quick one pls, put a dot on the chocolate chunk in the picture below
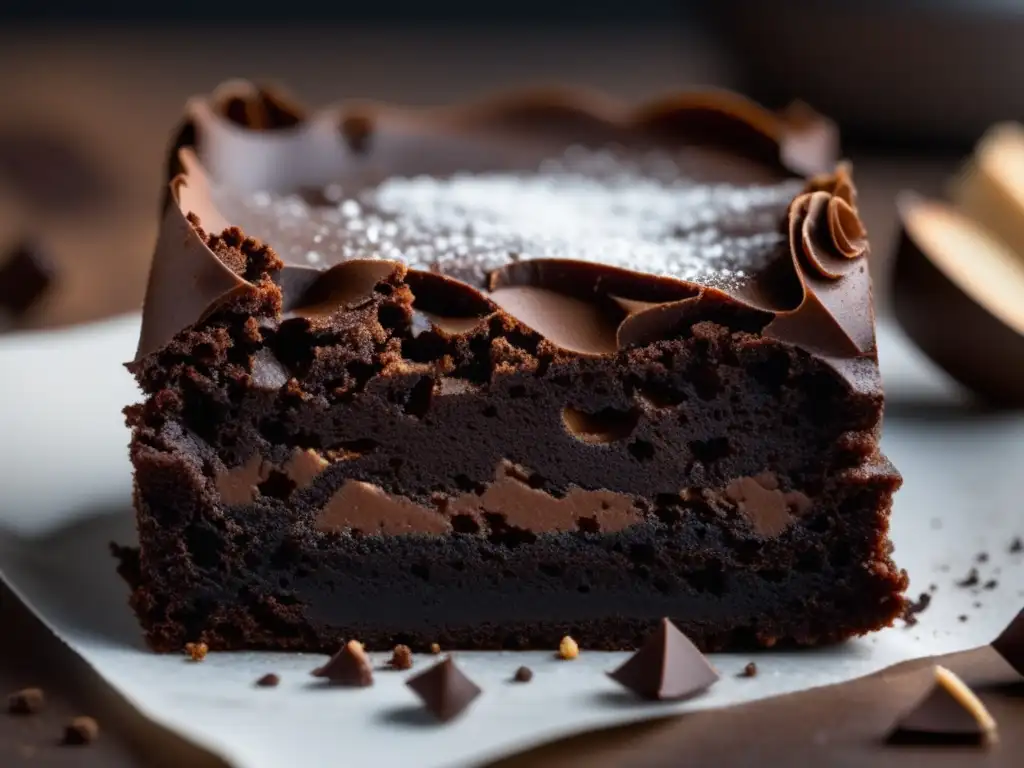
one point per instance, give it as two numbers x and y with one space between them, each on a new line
750 670
668 666
81 731
269 680
401 657
444 689
1010 643
972 579
349 666
948 713
27 701
25 275
523 675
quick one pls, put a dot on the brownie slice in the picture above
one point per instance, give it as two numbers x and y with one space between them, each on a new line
490 375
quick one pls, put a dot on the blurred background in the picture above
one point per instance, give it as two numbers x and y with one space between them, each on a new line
91 91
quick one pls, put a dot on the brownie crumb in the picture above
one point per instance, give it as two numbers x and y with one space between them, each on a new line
750 670
523 675
990 584
1017 545
962 617
982 557
81 731
435 648
269 680
970 580
915 607
568 649
196 651
27 701
401 657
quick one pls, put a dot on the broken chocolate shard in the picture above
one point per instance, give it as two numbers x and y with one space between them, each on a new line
444 689
26 273
948 713
1010 643
350 666
668 666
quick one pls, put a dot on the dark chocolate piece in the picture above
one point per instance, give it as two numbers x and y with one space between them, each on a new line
1010 643
668 666
25 275
618 358
27 701
523 675
81 731
444 689
349 666
948 713
269 680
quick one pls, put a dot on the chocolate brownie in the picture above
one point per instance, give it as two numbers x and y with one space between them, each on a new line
495 374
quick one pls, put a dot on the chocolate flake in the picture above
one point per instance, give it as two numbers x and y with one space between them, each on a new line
444 689
523 675
972 579
269 680
668 666
349 666
25 275
948 713
401 657
1010 643
81 731
27 701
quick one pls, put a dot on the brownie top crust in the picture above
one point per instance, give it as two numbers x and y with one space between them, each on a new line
595 225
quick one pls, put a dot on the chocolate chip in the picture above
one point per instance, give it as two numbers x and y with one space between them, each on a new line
81 731
349 666
25 275
401 657
970 580
948 713
1017 545
750 670
962 618
444 690
667 666
269 680
27 701
523 675
1010 643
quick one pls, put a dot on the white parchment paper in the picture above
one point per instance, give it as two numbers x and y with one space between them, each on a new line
65 493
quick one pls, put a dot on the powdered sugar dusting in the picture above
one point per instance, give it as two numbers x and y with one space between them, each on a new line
636 212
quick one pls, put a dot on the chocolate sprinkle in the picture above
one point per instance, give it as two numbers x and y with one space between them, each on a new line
349 666
523 675
444 689
668 666
948 713
269 680
28 701
1010 643
81 731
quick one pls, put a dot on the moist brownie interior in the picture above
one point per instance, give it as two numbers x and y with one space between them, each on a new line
493 376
